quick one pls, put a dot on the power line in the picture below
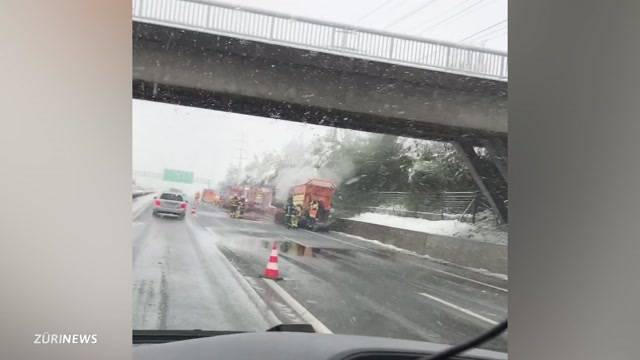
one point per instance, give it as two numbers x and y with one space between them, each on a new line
447 12
461 12
410 13
493 36
483 30
491 33
488 30
502 33
483 41
440 14
455 15
383 4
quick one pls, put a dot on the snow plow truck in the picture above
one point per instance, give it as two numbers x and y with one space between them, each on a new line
209 196
314 201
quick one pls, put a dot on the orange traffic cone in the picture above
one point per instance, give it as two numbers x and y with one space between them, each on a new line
272 272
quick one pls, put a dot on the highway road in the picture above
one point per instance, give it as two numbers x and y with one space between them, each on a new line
203 273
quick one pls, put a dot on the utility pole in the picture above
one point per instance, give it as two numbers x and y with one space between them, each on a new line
241 143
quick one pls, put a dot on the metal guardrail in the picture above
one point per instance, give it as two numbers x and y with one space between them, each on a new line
407 213
138 193
458 202
254 24
443 205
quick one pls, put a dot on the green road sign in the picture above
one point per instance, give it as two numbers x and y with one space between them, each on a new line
178 176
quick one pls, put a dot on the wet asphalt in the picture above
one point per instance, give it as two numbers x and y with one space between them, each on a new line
203 273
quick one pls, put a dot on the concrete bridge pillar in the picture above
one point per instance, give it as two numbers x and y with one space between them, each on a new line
488 177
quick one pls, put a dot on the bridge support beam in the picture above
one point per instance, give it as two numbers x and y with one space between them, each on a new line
488 179
497 149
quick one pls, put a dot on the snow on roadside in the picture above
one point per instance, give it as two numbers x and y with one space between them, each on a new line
425 256
479 232
140 204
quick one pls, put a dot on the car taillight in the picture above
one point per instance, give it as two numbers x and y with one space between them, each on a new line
183 205
157 202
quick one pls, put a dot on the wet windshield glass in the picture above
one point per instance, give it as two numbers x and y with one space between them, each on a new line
172 197
350 178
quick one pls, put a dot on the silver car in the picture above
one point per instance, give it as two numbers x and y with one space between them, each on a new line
170 203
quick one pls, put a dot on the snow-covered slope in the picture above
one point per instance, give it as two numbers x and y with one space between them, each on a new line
480 231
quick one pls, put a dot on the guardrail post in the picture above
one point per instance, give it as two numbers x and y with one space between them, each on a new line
209 22
333 37
447 55
272 28
391 48
502 59
343 43
475 209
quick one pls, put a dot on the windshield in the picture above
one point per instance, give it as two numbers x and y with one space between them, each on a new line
173 197
357 193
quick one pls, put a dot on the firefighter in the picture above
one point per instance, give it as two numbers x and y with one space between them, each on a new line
295 217
234 204
322 213
288 212
292 215
242 206
313 212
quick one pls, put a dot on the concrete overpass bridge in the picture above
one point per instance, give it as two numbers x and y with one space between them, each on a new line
253 62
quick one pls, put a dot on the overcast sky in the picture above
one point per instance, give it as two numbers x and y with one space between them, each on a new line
205 141
480 23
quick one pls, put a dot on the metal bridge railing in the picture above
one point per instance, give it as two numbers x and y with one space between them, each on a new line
340 39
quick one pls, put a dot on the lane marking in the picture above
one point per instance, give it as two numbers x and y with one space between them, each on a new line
297 307
430 268
461 309
263 307
321 328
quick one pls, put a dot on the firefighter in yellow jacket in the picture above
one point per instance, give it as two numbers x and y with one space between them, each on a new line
295 217
313 211
234 204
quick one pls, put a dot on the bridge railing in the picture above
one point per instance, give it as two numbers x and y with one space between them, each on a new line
323 36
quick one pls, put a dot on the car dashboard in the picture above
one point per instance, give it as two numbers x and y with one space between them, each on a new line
295 345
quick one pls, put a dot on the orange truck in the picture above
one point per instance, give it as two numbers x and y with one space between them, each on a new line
256 197
315 199
259 198
209 196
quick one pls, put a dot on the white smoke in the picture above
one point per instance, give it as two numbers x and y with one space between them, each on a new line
303 162
298 163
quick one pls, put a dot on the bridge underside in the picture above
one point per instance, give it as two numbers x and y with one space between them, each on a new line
222 73
144 90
